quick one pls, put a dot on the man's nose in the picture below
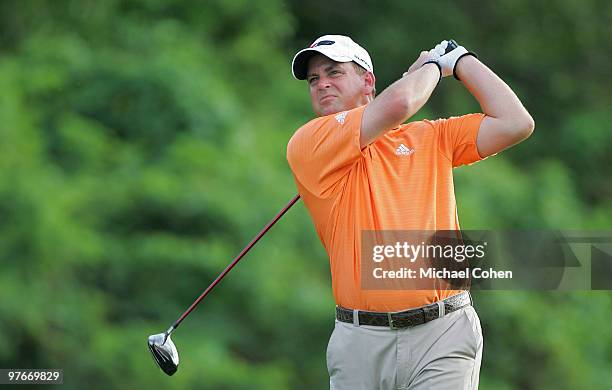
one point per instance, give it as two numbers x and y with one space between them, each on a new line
324 83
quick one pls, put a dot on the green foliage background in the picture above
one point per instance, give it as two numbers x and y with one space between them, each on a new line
142 145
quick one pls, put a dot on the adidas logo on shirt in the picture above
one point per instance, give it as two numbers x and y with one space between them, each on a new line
340 117
403 150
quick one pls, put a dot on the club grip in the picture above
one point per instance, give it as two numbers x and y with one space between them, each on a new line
452 45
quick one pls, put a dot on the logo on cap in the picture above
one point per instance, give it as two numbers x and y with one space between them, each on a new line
322 43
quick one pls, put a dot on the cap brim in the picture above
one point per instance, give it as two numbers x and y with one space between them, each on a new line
299 66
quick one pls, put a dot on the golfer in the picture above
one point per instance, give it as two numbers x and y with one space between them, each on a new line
358 166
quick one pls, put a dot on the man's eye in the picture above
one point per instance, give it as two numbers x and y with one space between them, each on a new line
311 80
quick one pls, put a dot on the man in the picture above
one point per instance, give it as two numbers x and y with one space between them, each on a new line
358 167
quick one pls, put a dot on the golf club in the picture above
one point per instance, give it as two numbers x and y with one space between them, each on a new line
161 346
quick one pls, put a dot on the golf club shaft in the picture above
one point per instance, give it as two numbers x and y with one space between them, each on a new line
233 263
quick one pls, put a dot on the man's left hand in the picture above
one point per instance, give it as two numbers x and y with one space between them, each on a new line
448 61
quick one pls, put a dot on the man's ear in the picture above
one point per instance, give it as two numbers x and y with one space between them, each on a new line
370 84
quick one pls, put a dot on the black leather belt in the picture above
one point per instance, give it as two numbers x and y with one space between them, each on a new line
408 318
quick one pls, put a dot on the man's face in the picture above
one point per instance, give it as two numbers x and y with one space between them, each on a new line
335 86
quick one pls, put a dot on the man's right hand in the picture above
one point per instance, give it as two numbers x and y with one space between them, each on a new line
428 56
425 56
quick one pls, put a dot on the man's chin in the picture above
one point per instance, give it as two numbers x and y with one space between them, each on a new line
330 109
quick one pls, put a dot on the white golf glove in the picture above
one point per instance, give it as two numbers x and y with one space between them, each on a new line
439 50
446 54
448 61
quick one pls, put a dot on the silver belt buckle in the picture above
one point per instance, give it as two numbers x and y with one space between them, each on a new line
390 319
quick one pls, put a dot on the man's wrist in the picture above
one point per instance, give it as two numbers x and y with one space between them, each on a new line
434 62
459 67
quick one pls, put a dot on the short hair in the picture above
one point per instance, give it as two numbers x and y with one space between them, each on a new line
361 71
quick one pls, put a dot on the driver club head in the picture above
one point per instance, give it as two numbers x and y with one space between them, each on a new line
164 352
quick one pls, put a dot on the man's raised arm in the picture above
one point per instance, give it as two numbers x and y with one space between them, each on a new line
400 100
507 122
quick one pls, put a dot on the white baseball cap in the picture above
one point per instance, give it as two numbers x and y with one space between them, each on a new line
335 47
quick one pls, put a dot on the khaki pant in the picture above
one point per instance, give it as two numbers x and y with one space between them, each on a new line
442 354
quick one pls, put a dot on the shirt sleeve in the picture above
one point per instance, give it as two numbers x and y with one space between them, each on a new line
322 152
457 138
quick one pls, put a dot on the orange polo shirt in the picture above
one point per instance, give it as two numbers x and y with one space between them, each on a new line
402 181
